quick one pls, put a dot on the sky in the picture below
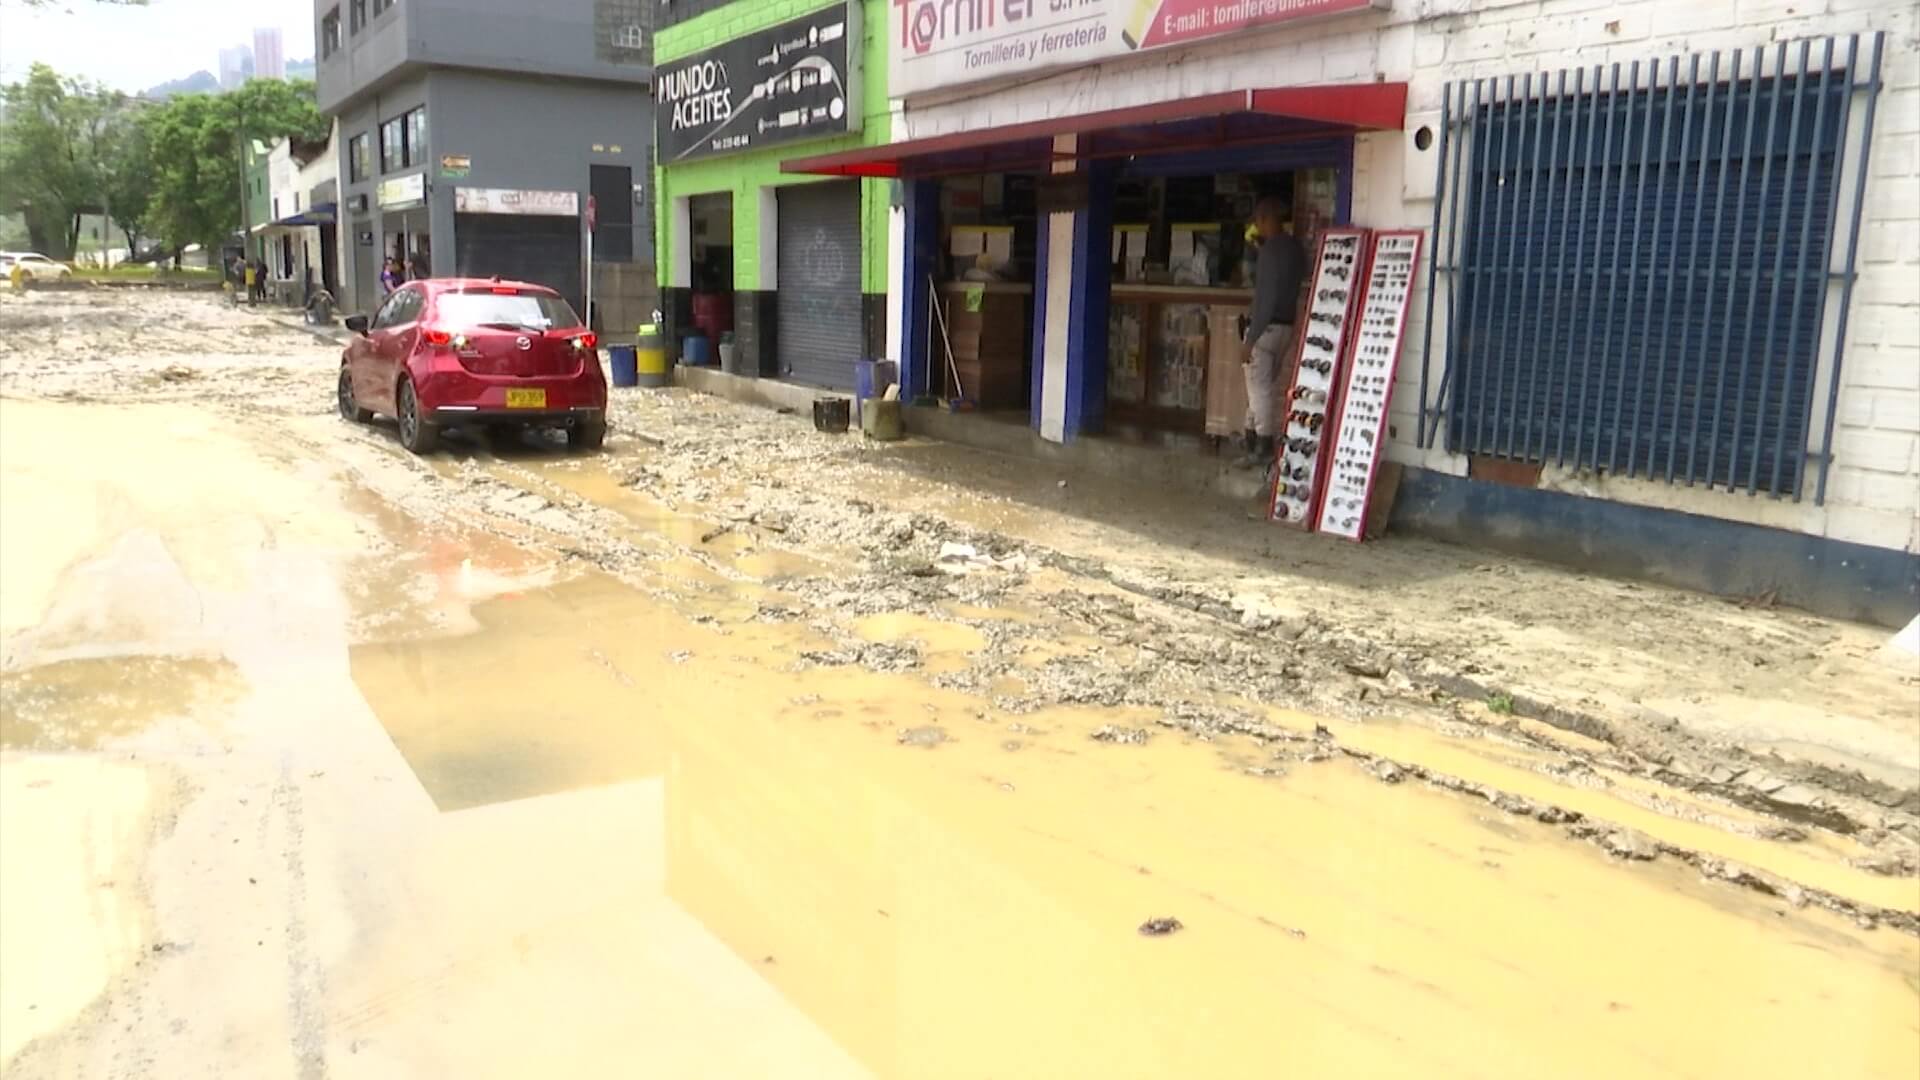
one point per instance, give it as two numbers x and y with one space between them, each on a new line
131 48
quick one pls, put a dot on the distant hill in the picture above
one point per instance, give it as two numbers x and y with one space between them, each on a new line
200 82
204 82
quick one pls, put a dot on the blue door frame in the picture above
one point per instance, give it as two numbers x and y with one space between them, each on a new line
1088 307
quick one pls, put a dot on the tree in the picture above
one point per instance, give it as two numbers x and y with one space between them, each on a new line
51 150
194 143
130 176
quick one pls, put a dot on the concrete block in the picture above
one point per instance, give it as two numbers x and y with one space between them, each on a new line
1899 324
1858 524
1898 112
1759 12
1856 407
1881 367
1877 451
1896 156
1894 241
1478 43
1897 410
1429 50
1883 492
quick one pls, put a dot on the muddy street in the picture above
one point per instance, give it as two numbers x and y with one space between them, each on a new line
742 750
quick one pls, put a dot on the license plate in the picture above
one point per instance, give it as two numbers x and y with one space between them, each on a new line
526 399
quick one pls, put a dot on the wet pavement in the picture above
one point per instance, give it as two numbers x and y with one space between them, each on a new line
320 761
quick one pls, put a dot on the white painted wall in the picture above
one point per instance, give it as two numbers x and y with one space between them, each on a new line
1873 495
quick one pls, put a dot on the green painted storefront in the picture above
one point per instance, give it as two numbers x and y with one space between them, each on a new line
752 180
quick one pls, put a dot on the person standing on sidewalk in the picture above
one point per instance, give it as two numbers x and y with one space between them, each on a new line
1277 277
390 278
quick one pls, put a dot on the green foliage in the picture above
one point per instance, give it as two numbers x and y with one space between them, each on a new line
1500 703
53 144
194 142
130 176
166 169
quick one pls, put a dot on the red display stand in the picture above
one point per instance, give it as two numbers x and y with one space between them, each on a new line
1320 339
1366 388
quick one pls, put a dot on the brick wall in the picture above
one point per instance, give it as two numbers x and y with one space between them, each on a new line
1873 495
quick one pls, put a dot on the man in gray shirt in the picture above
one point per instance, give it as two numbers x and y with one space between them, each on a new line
1277 277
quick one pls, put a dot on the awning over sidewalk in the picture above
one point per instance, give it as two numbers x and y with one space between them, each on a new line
322 214
1212 121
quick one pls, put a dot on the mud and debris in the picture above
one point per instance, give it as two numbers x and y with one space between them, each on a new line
835 593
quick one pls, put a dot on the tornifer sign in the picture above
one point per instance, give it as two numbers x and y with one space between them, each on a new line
940 43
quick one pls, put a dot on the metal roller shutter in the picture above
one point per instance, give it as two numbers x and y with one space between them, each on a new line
818 302
542 250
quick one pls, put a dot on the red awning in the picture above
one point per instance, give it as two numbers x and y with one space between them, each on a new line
1312 110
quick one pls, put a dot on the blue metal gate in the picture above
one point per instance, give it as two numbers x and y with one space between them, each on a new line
1637 273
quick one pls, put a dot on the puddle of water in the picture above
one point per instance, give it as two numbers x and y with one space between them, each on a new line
944 645
88 703
1511 769
948 908
731 544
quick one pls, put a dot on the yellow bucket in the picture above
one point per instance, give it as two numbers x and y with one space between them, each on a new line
650 355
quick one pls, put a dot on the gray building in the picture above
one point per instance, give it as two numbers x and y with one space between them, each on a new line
473 134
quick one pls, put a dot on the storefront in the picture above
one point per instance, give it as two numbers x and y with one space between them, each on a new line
1093 270
402 203
1614 294
777 274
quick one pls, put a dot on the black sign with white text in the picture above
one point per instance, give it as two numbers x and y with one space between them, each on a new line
798 80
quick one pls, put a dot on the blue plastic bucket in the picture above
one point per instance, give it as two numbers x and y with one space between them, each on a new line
626 365
696 351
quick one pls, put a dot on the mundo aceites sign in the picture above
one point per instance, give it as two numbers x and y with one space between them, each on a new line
798 80
940 43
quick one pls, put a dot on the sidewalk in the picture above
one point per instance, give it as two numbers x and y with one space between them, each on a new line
1781 710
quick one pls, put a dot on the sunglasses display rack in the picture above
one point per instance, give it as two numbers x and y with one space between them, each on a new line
1366 389
1320 343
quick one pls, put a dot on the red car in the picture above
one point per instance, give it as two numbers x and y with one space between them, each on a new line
449 352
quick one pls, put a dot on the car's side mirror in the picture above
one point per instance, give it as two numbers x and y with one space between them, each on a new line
357 323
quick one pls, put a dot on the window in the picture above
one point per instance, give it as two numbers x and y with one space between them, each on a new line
380 6
357 16
393 146
359 157
403 141
629 36
416 136
330 33
1612 314
401 308
527 310
612 188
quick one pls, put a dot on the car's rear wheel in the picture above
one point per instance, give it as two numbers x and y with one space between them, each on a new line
587 435
416 433
349 408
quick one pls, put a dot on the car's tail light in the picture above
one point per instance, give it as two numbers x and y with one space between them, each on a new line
587 340
436 337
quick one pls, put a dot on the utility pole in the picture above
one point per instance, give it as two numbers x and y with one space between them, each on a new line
240 144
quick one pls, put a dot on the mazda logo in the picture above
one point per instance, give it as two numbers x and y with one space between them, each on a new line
524 342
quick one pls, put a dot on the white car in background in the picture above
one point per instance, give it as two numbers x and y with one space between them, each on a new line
36 265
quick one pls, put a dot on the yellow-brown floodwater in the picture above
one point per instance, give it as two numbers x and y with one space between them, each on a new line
969 908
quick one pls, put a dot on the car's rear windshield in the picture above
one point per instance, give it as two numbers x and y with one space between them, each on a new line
534 311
